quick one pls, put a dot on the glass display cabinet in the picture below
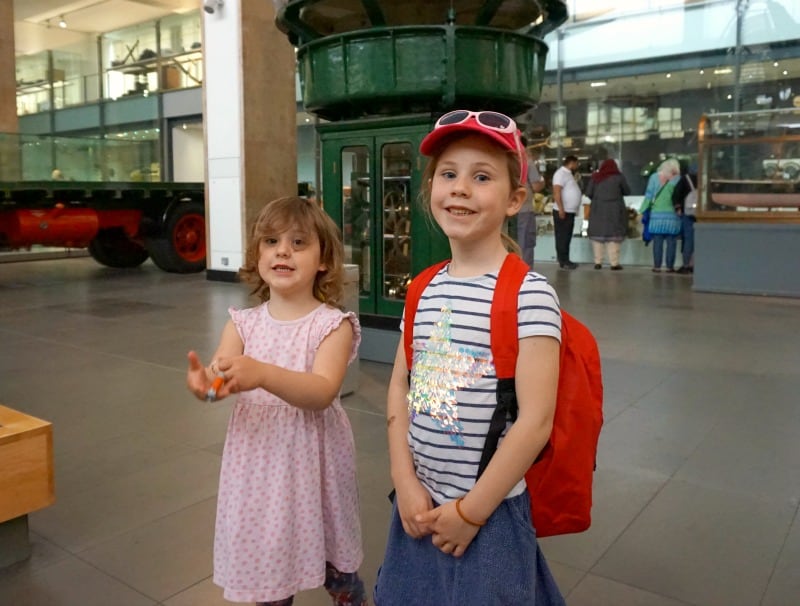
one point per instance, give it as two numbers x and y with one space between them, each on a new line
371 179
747 234
749 167
396 224
39 85
159 55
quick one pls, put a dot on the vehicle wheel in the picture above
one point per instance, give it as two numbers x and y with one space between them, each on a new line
112 248
180 246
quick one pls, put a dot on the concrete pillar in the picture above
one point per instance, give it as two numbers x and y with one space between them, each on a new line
249 109
9 148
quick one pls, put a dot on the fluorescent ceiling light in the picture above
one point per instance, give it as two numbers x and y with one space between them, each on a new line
723 70
596 84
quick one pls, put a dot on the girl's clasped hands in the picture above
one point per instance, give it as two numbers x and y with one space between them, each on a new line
237 373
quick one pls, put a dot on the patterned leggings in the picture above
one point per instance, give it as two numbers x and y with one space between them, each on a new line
346 589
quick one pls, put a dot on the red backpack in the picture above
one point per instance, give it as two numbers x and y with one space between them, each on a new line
560 480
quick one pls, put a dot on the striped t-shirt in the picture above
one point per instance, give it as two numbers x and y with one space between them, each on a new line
453 384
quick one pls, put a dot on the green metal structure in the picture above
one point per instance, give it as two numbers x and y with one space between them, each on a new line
413 69
372 173
382 71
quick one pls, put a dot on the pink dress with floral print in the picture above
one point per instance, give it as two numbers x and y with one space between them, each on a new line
288 500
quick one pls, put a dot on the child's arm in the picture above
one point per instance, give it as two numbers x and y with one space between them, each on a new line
199 378
536 386
313 390
412 498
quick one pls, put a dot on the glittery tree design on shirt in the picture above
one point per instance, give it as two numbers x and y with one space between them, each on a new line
439 370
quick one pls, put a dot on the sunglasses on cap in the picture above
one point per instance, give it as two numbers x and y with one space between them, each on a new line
493 120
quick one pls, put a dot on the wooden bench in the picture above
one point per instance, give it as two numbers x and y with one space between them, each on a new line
26 479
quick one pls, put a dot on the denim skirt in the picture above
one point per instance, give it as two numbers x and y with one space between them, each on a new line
503 566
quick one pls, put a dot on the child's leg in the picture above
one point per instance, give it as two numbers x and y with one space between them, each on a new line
346 588
286 602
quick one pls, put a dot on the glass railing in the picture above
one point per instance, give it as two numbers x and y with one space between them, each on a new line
137 79
56 158
134 61
157 73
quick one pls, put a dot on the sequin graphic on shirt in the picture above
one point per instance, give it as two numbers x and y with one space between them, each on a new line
439 370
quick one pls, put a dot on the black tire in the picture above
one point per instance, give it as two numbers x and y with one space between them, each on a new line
112 248
180 243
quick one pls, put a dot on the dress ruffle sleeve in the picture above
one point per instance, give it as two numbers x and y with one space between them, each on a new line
332 321
243 319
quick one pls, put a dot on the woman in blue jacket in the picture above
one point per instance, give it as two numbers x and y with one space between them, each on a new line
664 224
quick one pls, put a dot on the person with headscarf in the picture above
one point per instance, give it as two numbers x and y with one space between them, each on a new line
608 214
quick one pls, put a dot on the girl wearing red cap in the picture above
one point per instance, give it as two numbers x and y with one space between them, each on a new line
455 540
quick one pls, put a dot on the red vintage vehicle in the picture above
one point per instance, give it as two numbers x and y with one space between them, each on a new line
121 224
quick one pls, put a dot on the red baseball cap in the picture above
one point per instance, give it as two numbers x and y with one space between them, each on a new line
498 127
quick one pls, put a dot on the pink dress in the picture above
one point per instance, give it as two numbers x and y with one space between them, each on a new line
288 500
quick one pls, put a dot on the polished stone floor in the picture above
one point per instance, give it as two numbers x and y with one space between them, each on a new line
696 492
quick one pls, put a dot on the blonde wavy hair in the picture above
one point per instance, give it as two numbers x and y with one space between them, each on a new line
514 174
299 213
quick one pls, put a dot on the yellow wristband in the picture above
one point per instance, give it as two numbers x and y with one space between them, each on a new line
465 518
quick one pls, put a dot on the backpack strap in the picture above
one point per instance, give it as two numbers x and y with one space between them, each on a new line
413 295
503 336
504 339
503 326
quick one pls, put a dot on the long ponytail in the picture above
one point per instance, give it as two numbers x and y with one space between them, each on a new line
510 244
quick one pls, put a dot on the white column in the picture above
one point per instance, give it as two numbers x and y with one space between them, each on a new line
249 113
222 118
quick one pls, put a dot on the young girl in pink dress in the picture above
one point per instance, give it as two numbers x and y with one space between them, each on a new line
287 511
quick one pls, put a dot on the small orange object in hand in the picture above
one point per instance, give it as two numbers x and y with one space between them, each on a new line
218 381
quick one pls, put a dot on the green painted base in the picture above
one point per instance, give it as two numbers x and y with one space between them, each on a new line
421 69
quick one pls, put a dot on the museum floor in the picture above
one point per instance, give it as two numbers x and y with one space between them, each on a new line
696 492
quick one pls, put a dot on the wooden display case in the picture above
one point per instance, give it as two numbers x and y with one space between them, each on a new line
26 464
747 236
749 167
